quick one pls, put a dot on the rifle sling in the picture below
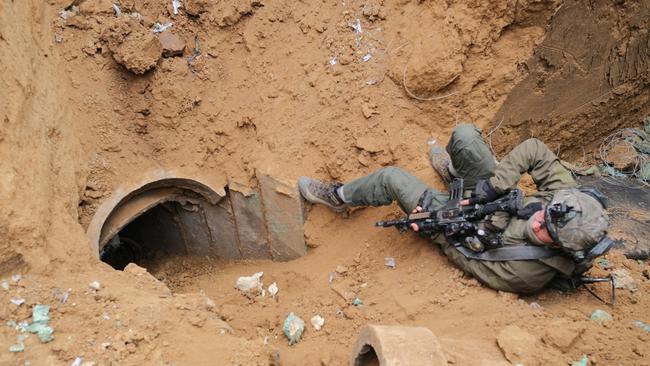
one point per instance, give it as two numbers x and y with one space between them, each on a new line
514 253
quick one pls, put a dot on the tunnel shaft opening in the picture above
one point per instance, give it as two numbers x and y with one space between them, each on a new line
183 218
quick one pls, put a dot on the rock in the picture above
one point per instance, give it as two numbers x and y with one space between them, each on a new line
132 44
317 322
248 283
601 317
436 62
341 269
517 345
563 333
96 7
623 280
369 144
196 7
366 110
172 44
622 156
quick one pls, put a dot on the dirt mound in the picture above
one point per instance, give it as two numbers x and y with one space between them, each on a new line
132 45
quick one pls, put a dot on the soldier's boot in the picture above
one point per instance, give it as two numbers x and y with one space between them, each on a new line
324 193
441 161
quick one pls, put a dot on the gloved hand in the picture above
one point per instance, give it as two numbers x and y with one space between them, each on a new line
484 192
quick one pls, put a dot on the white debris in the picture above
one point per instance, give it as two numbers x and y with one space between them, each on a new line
76 362
245 284
273 289
15 278
159 28
367 57
266 340
95 285
390 262
623 280
176 4
356 26
17 302
334 61
117 10
104 346
317 322
64 14
105 316
5 285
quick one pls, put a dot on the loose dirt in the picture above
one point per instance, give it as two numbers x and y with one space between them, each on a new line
332 90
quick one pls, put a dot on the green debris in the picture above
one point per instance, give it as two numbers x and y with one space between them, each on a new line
603 263
40 318
642 325
293 328
584 361
357 302
601 317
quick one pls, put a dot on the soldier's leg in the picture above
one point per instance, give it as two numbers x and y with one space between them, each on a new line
385 186
471 157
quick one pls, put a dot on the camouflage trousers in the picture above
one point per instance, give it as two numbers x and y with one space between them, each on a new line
472 160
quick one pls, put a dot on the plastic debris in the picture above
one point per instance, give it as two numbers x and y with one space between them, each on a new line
117 10
390 262
159 28
367 57
334 61
77 362
17 302
247 283
603 263
5 285
273 289
40 318
317 322
535 306
601 317
16 278
356 26
642 325
65 14
19 347
584 361
293 328
95 286
357 302
371 82
176 4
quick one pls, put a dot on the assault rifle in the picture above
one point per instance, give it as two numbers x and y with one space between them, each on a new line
460 225
456 220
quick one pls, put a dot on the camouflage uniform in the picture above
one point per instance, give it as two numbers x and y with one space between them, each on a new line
472 160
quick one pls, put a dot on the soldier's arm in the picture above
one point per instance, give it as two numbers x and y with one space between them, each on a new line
535 158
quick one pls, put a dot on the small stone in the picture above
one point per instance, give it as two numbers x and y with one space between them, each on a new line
341 269
4 285
95 286
535 306
622 156
172 44
317 322
366 110
563 333
517 345
623 280
601 317
16 278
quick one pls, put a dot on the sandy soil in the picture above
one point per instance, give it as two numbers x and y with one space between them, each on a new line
290 88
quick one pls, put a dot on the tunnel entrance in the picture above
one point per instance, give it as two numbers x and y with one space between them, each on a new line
179 217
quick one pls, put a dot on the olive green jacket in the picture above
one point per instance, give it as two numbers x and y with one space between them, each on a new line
527 276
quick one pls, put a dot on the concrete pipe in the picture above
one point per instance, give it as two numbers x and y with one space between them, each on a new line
385 345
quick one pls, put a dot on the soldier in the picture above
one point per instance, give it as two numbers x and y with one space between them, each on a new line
583 224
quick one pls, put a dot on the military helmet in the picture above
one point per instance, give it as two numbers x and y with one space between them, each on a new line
576 219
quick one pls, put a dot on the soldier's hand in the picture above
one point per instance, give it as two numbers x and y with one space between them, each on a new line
415 226
484 192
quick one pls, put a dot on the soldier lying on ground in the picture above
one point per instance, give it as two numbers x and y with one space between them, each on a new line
583 225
